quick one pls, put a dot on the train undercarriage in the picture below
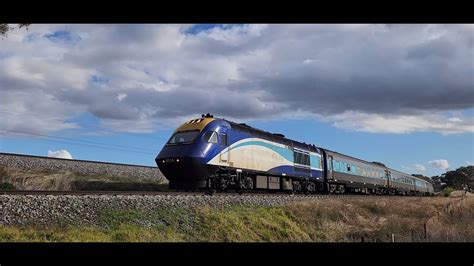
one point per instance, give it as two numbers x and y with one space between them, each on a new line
234 179
229 179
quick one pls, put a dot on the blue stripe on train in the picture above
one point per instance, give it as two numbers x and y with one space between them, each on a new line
290 170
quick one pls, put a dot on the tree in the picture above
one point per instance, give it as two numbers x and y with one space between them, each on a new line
437 183
463 176
5 28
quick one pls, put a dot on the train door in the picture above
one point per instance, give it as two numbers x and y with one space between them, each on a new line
329 167
388 176
223 142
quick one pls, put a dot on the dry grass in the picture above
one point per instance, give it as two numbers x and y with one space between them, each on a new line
375 220
66 180
331 220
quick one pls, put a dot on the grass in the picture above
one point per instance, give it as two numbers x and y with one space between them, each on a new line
66 180
447 191
331 220
7 186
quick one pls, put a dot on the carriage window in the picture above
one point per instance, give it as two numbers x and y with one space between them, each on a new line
301 158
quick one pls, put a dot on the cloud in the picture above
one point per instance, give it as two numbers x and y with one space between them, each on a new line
400 124
418 168
374 78
64 154
121 96
440 164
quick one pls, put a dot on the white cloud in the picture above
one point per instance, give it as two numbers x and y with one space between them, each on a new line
417 168
64 154
121 96
371 78
401 124
440 164
455 119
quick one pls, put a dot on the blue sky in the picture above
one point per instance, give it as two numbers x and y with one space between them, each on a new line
396 150
399 94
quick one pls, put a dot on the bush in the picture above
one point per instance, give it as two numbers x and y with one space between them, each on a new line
7 186
447 191
3 173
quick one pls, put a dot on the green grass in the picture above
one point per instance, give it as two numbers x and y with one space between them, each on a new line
7 186
447 191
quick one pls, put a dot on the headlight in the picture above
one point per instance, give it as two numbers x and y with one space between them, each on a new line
177 160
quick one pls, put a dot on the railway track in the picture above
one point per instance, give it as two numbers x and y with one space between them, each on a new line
173 193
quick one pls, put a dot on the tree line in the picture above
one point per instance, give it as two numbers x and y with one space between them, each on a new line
461 178
5 28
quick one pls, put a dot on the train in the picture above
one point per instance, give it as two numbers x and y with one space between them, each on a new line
215 154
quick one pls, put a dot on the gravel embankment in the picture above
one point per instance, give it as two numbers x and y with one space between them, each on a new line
89 210
89 168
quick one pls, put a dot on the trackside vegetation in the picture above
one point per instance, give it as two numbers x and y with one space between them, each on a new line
439 219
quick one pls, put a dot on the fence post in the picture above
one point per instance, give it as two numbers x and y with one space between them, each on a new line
424 227
393 238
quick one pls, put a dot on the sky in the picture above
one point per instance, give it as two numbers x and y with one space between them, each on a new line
399 94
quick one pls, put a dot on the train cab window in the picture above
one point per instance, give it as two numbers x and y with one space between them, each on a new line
223 140
210 136
183 137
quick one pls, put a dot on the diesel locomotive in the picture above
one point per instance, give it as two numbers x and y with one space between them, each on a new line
217 155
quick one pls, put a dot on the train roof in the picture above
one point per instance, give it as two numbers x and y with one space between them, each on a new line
281 138
376 164
273 136
412 176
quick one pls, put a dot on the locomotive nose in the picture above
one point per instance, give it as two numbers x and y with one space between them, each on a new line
182 160
183 172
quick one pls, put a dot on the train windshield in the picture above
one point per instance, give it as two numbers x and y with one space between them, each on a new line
183 137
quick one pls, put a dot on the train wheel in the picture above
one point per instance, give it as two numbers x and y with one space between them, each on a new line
249 183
